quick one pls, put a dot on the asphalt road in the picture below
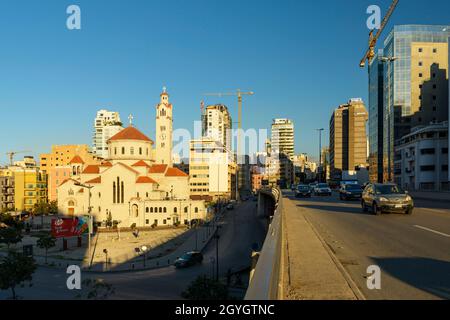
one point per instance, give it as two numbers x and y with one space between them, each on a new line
240 230
413 252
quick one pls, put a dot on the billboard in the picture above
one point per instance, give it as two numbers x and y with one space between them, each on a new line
69 227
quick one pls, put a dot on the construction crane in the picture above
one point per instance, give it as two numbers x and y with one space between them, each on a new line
11 155
239 94
370 53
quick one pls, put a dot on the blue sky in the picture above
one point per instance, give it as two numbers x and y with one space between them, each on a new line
300 57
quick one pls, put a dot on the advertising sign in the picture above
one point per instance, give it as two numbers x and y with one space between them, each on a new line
69 227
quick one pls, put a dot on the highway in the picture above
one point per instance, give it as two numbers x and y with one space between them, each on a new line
240 230
413 252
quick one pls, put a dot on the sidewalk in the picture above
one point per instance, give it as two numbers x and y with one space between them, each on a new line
310 269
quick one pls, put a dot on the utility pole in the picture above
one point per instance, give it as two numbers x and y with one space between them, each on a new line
320 153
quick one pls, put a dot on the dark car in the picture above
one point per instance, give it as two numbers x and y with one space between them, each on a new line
303 191
189 259
350 191
386 198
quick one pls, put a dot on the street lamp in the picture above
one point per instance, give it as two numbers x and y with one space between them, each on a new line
144 250
217 237
320 152
105 251
89 187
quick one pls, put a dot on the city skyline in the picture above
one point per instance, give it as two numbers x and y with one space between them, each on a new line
86 76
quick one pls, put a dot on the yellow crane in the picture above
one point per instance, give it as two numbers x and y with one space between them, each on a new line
11 155
239 94
370 53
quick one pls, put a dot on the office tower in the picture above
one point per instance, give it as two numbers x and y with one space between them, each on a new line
348 140
283 137
217 124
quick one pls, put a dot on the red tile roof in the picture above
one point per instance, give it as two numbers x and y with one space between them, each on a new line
141 163
67 180
106 164
145 179
95 180
130 133
92 169
175 172
158 168
76 159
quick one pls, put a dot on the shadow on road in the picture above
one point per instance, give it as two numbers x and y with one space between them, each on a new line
333 208
426 274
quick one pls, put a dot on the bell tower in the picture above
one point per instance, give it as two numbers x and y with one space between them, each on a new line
164 129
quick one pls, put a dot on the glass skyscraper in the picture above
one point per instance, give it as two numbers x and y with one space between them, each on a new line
397 81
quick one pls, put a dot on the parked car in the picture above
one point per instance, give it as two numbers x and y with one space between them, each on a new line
189 259
293 187
230 206
322 189
312 186
386 198
303 191
350 191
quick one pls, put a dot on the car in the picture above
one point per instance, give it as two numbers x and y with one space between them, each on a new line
350 191
293 187
312 186
303 191
386 198
322 189
189 259
230 206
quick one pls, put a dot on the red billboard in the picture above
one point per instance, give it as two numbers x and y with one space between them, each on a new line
69 227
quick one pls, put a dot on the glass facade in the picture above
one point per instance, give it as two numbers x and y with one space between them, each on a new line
397 84
376 104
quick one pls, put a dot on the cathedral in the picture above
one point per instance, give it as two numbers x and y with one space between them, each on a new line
137 184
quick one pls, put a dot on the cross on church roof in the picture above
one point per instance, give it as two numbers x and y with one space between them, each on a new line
130 118
164 89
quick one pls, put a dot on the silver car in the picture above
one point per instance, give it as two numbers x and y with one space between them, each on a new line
386 198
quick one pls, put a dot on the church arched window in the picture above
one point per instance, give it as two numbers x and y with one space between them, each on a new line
123 150
123 192
114 192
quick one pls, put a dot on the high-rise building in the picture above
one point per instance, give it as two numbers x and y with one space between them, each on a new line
283 137
106 124
217 124
164 130
415 84
348 140
376 120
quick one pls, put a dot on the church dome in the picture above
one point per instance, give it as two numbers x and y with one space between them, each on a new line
130 133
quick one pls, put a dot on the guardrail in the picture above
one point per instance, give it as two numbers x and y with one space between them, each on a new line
265 280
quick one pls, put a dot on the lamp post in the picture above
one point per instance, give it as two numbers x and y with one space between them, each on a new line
105 251
89 187
217 237
320 153
144 250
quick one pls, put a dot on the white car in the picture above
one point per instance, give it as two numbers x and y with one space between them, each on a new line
322 189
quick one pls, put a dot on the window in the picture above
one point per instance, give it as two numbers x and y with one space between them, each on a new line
165 210
445 167
420 75
123 150
420 63
444 150
151 209
427 151
434 86
427 168
175 210
434 50
420 86
147 221
115 150
140 151
434 98
147 210
196 210
185 209
164 221
160 209
420 50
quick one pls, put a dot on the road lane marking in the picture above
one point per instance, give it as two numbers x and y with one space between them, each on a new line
434 231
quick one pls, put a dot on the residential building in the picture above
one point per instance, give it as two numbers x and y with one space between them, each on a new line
7 186
217 124
348 140
106 124
63 162
212 170
415 88
283 137
422 158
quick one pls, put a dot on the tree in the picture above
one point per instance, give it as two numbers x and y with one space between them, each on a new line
41 209
10 235
97 289
53 207
15 269
205 288
11 221
46 241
